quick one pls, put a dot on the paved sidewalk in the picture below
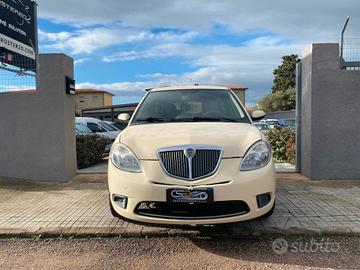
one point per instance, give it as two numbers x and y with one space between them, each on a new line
81 208
284 168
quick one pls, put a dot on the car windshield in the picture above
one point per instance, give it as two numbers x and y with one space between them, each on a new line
210 105
118 126
107 126
81 128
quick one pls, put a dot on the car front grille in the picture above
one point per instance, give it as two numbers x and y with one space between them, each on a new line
186 211
203 162
175 163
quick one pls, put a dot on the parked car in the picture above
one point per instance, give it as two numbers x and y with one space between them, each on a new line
81 130
272 122
114 125
263 127
287 123
191 155
98 126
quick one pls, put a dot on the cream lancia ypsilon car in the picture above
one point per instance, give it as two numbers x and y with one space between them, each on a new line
191 155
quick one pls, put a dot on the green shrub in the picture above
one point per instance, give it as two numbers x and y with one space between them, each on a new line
90 149
282 141
290 149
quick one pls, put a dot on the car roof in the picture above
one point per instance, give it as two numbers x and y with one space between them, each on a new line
87 119
190 87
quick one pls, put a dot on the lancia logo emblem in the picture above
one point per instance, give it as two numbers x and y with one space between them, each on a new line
189 152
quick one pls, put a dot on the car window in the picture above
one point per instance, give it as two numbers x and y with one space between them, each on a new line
272 122
118 126
95 127
191 105
107 126
81 128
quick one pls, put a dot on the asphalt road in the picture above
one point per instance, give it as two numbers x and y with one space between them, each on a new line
181 253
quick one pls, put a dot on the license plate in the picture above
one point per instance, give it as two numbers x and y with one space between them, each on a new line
190 196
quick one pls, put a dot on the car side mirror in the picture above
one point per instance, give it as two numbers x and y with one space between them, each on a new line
123 117
258 114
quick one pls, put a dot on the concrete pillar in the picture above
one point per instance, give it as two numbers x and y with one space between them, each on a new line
37 129
330 115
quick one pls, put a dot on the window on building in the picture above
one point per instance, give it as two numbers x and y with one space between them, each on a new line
82 98
96 99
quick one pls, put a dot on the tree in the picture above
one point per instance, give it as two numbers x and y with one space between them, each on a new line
279 101
284 75
283 93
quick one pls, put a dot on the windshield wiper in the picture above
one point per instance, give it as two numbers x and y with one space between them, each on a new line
151 119
199 119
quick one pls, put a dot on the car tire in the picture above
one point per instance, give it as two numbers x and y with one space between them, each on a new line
112 210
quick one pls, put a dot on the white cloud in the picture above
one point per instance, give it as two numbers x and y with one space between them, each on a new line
296 22
128 89
89 40
261 50
131 55
55 37
306 20
249 65
157 75
81 61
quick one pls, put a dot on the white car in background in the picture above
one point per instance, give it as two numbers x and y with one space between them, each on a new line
98 126
114 125
82 130
263 127
272 122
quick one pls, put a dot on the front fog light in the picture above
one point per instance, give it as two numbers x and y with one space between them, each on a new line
120 200
263 199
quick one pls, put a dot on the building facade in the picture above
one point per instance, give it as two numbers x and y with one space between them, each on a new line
239 91
92 98
110 113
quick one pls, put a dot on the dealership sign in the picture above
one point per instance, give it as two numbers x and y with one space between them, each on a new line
18 39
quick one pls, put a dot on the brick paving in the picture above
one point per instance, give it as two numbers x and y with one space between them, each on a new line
81 207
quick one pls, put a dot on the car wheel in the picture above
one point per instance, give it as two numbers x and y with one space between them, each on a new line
112 210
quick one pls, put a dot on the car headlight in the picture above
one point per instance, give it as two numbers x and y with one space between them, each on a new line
257 156
124 159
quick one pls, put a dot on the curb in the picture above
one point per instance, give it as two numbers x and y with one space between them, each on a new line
149 232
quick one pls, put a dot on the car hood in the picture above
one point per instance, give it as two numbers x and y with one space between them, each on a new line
145 140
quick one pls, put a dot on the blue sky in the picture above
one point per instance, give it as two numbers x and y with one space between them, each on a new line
126 46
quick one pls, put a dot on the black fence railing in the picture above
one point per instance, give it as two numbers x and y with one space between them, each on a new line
349 50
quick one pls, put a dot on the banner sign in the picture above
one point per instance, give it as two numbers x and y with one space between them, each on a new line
18 39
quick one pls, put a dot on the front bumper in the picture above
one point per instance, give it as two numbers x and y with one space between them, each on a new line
228 184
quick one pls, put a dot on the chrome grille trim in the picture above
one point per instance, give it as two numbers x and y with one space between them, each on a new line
205 162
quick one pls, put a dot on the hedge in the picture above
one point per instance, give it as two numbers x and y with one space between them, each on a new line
90 149
282 141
